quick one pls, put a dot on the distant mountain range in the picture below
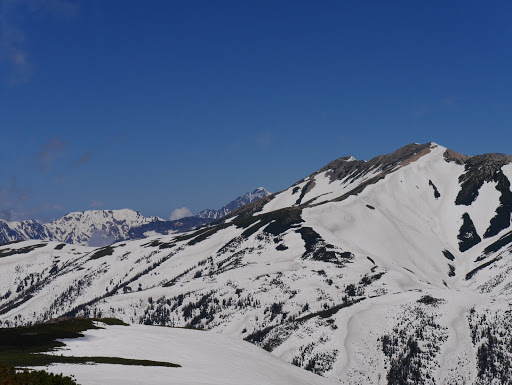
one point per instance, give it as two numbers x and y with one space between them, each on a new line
102 227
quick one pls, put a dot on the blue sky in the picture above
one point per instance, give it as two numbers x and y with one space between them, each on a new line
166 104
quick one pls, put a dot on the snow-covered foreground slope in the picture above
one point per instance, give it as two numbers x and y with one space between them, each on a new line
402 274
206 358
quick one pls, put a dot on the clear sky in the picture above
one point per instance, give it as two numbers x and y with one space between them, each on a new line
164 104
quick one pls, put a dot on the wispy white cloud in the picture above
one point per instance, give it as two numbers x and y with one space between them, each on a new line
12 199
182 212
13 53
100 238
15 204
52 150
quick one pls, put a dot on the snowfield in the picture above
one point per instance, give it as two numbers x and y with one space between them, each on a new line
206 358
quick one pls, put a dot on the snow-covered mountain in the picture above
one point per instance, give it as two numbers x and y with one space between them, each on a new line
92 227
102 227
393 270
20 231
85 227
241 201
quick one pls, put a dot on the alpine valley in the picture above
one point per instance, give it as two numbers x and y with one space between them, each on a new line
396 270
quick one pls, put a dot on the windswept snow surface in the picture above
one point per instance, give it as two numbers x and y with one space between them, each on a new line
206 358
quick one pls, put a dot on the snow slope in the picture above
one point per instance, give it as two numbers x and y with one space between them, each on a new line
206 358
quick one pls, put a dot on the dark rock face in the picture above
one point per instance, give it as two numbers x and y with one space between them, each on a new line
505 240
501 220
452 156
436 191
480 169
342 167
487 168
305 190
448 255
468 237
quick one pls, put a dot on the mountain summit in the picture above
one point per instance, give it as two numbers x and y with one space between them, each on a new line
243 200
392 270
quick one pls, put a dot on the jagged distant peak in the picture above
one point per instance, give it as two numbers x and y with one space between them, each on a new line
240 201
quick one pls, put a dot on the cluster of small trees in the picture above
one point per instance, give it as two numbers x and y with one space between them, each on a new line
492 338
9 376
197 312
412 349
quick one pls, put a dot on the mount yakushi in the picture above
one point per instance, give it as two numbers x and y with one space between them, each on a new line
101 227
390 271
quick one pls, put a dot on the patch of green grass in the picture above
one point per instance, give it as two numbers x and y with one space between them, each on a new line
26 346
41 359
111 321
